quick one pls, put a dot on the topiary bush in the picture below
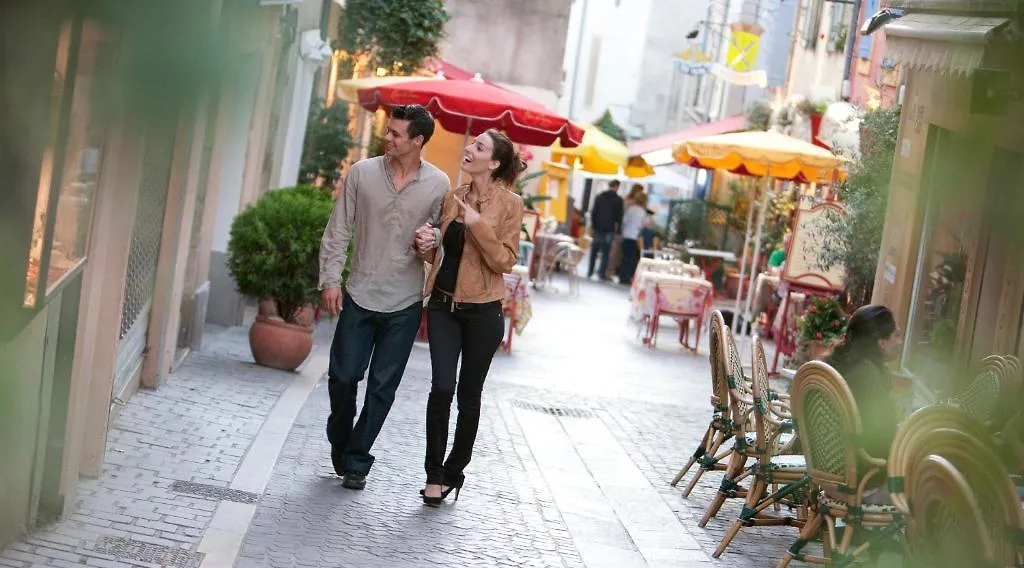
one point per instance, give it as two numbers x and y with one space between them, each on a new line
274 247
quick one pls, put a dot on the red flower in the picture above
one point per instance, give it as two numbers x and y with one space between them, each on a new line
818 335
811 309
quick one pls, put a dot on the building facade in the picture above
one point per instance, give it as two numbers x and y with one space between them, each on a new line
949 267
129 130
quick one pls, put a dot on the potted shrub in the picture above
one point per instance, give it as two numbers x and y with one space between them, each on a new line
821 326
273 254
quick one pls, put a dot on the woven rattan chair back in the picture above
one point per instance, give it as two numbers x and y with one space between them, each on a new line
949 526
922 434
981 399
828 425
719 372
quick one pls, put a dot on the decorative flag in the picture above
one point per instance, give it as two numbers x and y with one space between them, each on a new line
742 54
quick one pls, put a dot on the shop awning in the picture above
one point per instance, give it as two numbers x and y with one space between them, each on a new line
657 150
941 43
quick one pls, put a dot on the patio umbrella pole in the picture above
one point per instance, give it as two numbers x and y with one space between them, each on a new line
465 142
743 267
757 252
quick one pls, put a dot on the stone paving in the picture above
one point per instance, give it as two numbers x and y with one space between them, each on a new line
582 429
195 428
589 487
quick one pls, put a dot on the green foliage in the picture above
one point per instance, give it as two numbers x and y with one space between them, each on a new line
327 141
853 240
274 247
607 125
395 34
824 320
531 201
759 115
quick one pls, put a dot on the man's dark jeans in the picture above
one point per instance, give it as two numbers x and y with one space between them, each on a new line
388 337
602 245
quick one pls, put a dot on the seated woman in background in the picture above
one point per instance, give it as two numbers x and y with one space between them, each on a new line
872 338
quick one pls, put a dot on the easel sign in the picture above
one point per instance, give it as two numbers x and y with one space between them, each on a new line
802 266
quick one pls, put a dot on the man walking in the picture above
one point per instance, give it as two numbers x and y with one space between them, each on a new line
606 219
384 201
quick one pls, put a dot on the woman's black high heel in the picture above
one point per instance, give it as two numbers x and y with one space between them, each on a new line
435 501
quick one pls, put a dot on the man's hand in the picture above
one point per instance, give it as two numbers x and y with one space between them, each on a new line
423 240
332 300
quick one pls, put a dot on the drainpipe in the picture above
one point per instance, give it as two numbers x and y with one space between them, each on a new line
851 37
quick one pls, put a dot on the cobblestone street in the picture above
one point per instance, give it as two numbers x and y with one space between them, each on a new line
582 429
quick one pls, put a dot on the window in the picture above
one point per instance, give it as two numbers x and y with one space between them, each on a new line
67 180
839 27
864 49
812 23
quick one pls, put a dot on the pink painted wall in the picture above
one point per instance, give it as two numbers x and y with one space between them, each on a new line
870 67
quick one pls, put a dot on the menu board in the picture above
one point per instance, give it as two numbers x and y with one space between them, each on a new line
802 265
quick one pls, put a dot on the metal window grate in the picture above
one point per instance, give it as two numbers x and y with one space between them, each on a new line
139 551
561 411
149 221
214 492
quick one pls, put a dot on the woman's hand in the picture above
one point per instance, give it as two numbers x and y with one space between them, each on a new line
469 215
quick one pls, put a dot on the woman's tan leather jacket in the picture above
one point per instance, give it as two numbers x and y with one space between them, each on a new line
491 249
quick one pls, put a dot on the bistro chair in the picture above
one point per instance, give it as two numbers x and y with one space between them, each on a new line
771 468
923 433
946 518
983 398
720 430
994 493
686 300
740 404
828 426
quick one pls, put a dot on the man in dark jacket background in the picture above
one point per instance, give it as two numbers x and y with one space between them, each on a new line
606 221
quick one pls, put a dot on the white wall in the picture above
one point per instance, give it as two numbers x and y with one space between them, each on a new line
663 92
517 42
618 29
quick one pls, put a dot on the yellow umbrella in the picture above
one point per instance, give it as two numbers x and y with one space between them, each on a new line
349 88
760 154
601 154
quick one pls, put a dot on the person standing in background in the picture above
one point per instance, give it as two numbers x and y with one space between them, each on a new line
632 224
606 220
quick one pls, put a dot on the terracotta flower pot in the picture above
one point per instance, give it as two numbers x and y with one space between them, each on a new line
819 350
279 345
305 317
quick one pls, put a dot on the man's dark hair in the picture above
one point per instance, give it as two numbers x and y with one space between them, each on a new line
421 122
614 184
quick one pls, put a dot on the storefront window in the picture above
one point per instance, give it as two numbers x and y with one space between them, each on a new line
73 182
944 257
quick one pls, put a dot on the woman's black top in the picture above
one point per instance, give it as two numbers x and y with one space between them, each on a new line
453 241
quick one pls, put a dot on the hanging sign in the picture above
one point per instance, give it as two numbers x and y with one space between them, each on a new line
692 61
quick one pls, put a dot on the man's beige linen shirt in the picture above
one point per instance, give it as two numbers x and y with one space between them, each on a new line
387 274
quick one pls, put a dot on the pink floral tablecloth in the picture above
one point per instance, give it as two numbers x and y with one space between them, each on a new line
694 298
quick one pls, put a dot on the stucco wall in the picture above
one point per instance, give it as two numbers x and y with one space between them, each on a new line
519 42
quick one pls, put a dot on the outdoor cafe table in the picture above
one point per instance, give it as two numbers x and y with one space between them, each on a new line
644 298
710 260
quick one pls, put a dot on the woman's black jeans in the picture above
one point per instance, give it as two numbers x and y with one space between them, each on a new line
474 331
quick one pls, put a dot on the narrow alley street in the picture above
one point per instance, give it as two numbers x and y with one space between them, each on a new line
582 429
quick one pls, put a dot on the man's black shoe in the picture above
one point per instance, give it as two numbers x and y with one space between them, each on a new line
353 480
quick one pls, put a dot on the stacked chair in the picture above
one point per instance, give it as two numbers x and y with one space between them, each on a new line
772 467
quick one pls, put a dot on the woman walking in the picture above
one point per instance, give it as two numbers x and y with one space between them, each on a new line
479 243
632 224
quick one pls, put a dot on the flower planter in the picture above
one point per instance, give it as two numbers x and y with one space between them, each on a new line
279 345
306 316
816 129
